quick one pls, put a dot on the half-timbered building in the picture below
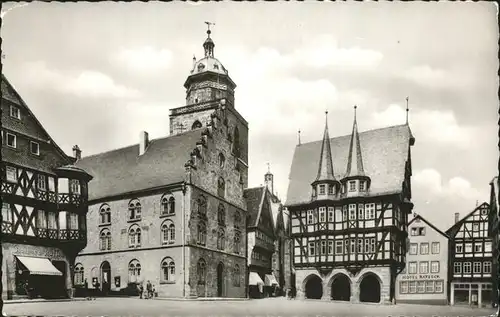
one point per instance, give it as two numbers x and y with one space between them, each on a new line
494 233
349 228
261 242
44 204
171 210
425 277
471 258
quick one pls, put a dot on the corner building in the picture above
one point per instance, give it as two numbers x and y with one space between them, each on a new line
171 210
44 206
349 229
425 277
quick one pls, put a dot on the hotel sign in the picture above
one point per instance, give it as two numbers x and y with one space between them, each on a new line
420 277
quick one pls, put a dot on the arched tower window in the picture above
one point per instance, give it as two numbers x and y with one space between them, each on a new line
168 270
221 215
202 233
196 125
202 271
221 239
105 214
237 220
221 187
134 209
237 243
202 205
237 275
222 160
236 143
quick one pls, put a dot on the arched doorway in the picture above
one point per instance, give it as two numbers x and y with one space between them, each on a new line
220 279
341 288
314 287
105 277
369 289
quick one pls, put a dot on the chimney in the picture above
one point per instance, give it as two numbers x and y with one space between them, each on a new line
457 217
77 153
143 142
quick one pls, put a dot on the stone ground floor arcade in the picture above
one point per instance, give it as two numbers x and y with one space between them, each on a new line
369 285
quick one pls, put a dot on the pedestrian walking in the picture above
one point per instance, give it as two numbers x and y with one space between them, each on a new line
141 290
148 289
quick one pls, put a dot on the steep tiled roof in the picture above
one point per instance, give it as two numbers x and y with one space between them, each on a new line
253 197
355 160
451 231
385 152
417 216
123 170
325 167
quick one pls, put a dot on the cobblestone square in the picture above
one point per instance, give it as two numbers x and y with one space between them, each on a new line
271 307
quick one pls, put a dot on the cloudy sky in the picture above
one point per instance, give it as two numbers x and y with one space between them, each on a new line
98 74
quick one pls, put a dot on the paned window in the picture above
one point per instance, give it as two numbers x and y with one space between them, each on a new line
34 148
202 271
321 189
477 267
487 267
105 240
11 140
457 267
105 214
11 174
435 248
330 247
403 287
412 268
330 214
435 267
467 267
79 276
339 246
312 248
352 186
322 216
41 219
424 267
420 287
459 248
168 232
168 270
412 287
6 213
15 112
438 287
424 248
41 182
310 218
370 211
167 205
352 212
413 248
361 211
134 210
134 235
429 286
134 271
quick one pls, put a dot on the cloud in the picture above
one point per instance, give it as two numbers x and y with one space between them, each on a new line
86 83
430 181
431 125
323 51
143 59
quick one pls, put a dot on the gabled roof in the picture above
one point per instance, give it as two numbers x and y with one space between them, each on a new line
325 166
255 201
429 224
385 152
459 223
10 93
123 170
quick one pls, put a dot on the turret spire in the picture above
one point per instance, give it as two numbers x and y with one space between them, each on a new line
407 109
355 159
325 168
209 44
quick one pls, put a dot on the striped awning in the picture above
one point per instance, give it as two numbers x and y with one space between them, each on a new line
271 280
39 266
254 279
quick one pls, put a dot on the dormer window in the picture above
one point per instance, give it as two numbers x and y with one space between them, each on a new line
15 113
352 186
216 66
321 189
361 186
331 190
200 67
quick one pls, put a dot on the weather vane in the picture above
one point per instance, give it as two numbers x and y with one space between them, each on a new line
209 24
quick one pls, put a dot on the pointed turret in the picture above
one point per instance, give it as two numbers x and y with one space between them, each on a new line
325 186
355 159
355 181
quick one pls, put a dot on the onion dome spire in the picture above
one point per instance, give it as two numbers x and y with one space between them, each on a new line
355 159
325 168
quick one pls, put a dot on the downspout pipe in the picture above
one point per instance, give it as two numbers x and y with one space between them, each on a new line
184 240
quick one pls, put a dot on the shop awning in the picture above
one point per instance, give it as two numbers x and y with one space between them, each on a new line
39 266
271 280
254 279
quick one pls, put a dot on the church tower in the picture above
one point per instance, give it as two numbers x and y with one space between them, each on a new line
209 89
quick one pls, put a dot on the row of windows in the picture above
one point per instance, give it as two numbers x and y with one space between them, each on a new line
45 219
424 248
259 256
11 141
478 247
167 207
469 267
221 238
365 211
413 287
43 182
423 267
351 185
323 247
